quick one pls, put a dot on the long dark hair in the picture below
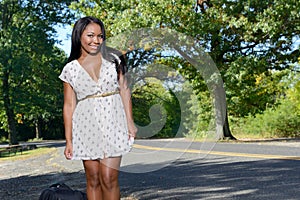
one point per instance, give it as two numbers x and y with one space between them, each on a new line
106 52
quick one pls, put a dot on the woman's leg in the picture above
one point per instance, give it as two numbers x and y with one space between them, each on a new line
93 185
109 178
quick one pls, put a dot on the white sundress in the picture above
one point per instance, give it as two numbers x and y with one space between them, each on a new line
99 127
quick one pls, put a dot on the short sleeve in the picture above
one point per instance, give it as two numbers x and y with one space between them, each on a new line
66 74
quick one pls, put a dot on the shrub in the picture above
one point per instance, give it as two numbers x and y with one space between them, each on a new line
281 121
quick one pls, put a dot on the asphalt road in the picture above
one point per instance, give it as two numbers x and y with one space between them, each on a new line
181 170
261 170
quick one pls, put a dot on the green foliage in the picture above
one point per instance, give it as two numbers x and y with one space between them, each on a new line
30 62
259 90
202 115
3 140
251 42
120 16
156 107
294 92
248 42
282 120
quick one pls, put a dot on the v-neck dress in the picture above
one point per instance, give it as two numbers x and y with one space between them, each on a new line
99 127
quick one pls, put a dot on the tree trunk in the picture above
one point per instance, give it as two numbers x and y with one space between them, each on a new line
38 128
12 130
226 129
222 124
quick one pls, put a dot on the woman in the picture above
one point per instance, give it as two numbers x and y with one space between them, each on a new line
97 110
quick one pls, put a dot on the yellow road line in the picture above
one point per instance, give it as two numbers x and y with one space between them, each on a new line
221 153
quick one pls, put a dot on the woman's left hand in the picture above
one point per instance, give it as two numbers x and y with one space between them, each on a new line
132 130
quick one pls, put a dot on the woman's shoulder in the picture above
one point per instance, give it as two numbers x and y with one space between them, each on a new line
71 64
69 71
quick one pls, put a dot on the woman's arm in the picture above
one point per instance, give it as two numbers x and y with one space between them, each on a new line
127 103
69 106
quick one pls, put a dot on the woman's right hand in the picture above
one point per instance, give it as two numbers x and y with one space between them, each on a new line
68 151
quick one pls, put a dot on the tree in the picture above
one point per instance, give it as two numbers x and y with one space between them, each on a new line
134 11
27 48
246 39
251 39
40 96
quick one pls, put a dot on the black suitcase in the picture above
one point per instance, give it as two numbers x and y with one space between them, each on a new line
61 191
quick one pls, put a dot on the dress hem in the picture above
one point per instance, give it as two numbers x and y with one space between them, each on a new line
101 157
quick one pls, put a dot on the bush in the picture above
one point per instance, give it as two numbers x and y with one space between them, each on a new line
281 121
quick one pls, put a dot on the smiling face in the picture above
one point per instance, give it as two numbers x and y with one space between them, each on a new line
91 39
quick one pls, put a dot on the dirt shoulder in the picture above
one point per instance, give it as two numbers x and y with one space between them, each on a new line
23 179
26 178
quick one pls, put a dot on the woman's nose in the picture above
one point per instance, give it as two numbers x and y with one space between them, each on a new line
97 40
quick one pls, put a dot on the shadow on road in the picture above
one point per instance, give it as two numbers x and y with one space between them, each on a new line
182 180
215 179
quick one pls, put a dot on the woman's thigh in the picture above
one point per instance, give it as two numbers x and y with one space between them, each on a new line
111 163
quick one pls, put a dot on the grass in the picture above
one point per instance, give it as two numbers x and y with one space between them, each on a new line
211 137
27 154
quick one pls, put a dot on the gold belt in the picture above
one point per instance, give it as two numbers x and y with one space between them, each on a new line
100 95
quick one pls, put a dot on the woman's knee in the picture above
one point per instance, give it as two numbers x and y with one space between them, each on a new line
93 180
109 177
109 180
92 173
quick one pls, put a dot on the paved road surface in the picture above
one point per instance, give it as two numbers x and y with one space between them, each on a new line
159 169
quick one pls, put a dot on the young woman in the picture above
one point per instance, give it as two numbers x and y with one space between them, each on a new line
97 110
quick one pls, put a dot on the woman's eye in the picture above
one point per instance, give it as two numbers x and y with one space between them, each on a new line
101 36
90 36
